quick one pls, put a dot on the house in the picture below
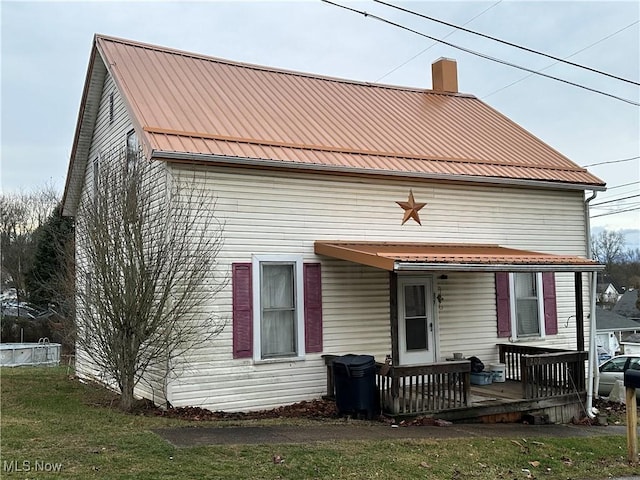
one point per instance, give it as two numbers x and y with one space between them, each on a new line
399 222
631 343
610 328
627 308
607 293
628 305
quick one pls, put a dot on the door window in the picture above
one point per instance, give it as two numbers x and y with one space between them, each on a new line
416 332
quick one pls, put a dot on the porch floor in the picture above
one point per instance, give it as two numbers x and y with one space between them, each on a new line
496 393
504 402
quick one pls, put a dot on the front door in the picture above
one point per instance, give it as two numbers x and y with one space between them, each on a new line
416 322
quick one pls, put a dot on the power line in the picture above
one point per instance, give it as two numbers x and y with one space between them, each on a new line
623 185
526 49
481 55
624 204
615 200
555 63
616 212
612 161
435 43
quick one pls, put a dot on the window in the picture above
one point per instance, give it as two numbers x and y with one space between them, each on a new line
278 318
281 276
278 305
526 305
111 108
415 317
132 150
96 174
616 364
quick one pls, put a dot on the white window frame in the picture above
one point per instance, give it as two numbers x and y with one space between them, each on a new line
132 151
512 307
256 261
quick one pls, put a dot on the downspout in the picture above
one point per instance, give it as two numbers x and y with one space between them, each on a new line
591 370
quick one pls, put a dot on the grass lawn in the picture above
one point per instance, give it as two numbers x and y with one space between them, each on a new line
49 418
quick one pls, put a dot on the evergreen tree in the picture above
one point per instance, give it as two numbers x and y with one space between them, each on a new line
46 279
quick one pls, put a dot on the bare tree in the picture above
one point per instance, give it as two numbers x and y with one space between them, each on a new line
21 214
630 270
608 247
145 271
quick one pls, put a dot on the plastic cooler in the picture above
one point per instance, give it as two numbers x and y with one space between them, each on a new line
481 378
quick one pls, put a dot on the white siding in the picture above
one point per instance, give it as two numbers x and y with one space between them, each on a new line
280 212
109 139
106 136
468 322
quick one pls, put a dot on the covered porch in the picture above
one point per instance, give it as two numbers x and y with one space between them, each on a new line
538 378
535 378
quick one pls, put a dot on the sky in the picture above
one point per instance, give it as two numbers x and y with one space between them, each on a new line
45 49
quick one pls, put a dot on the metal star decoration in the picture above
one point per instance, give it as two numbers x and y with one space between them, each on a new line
411 209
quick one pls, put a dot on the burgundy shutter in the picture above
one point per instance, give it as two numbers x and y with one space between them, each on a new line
242 310
312 308
550 310
503 305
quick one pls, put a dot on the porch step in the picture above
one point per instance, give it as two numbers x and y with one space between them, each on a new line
560 409
535 418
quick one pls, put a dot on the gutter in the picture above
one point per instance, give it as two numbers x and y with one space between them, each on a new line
494 267
593 377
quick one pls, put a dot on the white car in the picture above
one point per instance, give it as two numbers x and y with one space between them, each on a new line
613 370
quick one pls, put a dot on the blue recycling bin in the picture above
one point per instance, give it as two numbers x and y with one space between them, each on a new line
355 385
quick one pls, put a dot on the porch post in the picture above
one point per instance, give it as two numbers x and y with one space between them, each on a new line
395 356
393 316
592 371
579 312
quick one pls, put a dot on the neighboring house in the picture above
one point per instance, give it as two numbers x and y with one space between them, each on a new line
631 344
627 305
611 329
607 293
381 220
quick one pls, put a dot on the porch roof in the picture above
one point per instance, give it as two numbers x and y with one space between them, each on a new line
408 256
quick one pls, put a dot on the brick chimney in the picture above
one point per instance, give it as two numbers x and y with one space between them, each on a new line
444 74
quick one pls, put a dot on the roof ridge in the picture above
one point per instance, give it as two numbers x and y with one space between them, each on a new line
321 148
283 71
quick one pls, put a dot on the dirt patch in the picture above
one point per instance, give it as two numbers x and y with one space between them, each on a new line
616 413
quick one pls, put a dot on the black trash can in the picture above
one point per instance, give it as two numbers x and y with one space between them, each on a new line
355 384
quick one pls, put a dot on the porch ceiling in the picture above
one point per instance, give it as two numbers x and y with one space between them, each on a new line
403 256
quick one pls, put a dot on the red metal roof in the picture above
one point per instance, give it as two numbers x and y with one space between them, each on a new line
407 255
195 106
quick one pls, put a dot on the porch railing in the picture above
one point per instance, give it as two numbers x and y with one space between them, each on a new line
425 388
418 389
544 372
